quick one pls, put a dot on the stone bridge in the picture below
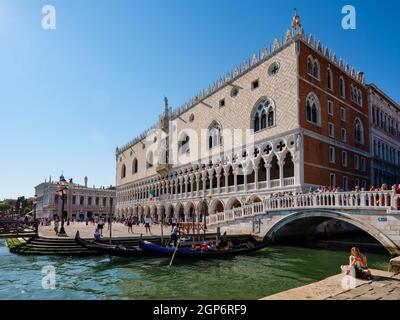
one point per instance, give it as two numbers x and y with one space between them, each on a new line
376 213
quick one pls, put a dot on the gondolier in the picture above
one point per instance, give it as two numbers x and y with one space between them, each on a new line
174 235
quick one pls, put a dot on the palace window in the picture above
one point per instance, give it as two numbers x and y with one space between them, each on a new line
356 162
150 159
123 171
358 131
184 144
214 135
264 116
222 103
313 68
330 79
330 108
343 135
313 110
344 158
342 87
331 129
255 84
356 95
134 166
342 114
273 68
234 92
331 154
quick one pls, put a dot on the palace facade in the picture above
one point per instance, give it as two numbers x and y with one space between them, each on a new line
80 201
292 117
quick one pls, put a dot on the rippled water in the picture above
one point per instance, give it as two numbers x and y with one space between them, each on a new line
254 276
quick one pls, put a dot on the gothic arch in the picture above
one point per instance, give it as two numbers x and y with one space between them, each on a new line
217 206
233 202
263 114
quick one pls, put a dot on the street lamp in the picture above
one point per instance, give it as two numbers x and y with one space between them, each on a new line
110 216
62 193
36 224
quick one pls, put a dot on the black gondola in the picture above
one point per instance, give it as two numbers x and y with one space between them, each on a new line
189 252
112 250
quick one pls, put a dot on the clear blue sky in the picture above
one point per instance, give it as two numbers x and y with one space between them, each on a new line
69 97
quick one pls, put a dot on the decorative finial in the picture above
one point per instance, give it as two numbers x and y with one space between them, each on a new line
165 103
296 22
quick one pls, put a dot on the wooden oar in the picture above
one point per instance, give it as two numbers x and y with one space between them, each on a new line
176 249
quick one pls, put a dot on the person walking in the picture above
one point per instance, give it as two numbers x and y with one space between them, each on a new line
100 226
147 222
56 226
130 229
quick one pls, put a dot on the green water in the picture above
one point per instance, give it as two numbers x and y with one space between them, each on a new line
253 276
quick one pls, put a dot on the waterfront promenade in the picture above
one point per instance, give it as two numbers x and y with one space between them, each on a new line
119 230
384 286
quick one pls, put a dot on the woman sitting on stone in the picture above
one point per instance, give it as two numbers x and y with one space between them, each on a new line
359 262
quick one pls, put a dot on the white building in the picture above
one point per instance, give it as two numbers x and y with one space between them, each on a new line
80 202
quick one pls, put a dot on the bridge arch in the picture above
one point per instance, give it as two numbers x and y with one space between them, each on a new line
386 242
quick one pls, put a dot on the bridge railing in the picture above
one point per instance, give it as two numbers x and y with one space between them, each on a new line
380 200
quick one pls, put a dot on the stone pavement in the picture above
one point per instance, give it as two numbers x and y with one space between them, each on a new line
384 286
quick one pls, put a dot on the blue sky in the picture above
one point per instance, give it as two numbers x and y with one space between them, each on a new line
70 96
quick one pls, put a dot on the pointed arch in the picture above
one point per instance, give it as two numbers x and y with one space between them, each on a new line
183 143
263 114
150 159
313 109
330 79
342 87
123 171
358 131
214 135
232 203
134 166
217 206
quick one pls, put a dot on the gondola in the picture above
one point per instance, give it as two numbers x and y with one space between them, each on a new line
111 250
189 252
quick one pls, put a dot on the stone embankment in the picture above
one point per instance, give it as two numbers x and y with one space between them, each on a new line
384 286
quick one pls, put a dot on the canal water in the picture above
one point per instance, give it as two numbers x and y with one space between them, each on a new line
254 276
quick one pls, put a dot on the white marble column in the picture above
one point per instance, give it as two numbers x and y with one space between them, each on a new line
268 180
281 164
256 167
218 175
211 176
226 175
198 177
204 179
192 180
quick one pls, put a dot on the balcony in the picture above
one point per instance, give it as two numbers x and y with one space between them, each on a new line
163 168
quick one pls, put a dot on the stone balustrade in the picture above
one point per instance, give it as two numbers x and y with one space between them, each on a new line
386 201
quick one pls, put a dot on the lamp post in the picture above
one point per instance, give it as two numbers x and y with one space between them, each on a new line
205 205
36 224
110 216
63 194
